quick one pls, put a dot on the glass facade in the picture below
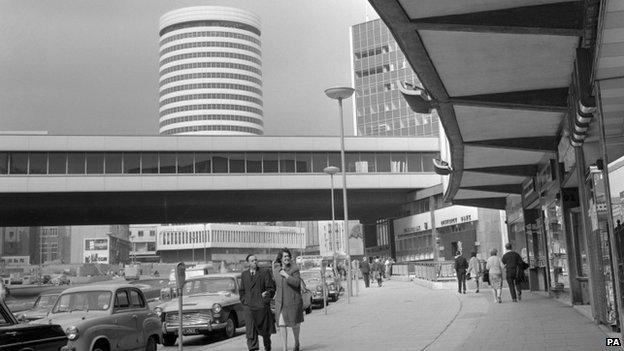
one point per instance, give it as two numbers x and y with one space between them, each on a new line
378 65
50 163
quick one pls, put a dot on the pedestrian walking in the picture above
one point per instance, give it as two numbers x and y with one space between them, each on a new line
365 269
495 267
256 290
288 301
388 265
460 268
378 271
474 269
514 271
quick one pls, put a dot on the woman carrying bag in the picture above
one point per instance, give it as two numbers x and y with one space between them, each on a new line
288 301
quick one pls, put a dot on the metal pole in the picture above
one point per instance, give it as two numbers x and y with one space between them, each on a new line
180 319
333 227
344 200
193 243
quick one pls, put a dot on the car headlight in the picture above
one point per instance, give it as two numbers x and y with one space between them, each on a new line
72 333
158 311
216 308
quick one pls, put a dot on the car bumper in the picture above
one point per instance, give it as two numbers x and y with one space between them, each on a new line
194 329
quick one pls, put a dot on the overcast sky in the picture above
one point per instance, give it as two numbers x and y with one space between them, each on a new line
91 66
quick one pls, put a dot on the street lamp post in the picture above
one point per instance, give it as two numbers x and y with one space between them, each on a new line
341 93
331 170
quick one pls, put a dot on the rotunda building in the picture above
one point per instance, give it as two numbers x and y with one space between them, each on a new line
210 72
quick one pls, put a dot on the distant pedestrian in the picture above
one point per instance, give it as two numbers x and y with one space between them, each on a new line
474 270
495 267
514 271
365 269
388 267
377 271
288 301
460 268
256 291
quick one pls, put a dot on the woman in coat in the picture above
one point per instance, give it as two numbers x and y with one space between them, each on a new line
495 266
474 269
288 301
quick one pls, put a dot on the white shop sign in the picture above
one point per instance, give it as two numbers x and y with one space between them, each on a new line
455 215
412 224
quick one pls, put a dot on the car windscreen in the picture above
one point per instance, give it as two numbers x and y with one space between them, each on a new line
45 301
210 285
83 301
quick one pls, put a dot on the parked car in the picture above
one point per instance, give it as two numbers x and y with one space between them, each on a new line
39 309
312 279
152 288
15 336
60 279
211 303
105 317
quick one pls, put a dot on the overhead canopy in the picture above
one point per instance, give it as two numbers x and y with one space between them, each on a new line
499 72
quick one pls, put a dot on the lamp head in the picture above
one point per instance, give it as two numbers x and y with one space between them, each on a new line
331 170
339 93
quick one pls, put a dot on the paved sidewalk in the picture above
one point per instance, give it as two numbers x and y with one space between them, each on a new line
405 316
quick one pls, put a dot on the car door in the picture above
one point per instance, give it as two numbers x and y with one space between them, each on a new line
123 318
18 337
139 313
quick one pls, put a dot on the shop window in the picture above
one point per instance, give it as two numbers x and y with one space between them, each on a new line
237 162
254 162
131 162
18 162
149 162
219 163
304 162
287 162
319 162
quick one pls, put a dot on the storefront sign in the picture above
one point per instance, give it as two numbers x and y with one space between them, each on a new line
455 215
412 224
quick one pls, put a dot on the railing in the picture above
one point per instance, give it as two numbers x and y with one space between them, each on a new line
433 271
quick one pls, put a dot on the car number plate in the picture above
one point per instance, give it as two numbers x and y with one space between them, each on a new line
188 331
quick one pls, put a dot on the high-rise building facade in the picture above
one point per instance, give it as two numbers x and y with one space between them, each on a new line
210 72
378 67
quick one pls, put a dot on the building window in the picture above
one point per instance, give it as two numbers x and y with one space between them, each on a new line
140 233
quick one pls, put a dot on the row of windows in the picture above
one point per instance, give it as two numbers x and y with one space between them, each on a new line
372 52
220 96
211 86
209 75
381 69
210 128
211 118
211 44
384 130
202 34
210 23
227 236
211 54
211 107
210 65
209 162
417 243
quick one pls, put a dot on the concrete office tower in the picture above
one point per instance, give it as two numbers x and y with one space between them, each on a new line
378 66
210 72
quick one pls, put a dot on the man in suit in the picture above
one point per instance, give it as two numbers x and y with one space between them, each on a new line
514 266
461 264
365 269
256 291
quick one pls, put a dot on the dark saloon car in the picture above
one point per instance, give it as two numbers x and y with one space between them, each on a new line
16 337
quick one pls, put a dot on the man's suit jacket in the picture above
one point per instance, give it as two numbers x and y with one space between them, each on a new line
252 287
365 267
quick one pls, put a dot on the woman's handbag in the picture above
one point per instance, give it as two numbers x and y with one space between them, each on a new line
468 277
486 276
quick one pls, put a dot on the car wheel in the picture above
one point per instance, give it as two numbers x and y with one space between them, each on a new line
151 344
169 339
230 327
308 310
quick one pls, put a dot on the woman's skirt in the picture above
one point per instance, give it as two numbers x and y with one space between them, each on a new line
496 280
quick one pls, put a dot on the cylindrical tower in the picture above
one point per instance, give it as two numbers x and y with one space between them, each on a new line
210 72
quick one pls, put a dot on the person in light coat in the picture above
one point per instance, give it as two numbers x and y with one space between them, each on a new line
495 267
288 301
473 269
